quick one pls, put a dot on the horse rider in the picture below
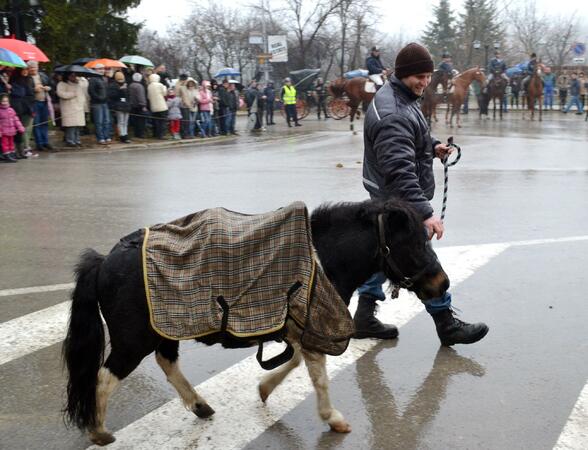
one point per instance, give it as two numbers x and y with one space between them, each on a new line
375 68
531 69
497 67
446 65
398 163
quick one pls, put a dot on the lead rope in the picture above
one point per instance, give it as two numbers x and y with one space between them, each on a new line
446 166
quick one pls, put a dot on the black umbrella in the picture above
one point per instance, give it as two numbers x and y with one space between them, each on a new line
80 70
82 61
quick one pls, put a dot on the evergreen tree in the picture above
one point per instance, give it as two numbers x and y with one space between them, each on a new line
439 37
478 22
70 29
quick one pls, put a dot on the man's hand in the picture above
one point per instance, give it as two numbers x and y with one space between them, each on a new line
434 226
443 149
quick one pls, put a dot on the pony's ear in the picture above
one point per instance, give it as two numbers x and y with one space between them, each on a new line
398 220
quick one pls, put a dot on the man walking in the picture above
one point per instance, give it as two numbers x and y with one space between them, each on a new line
320 91
574 95
398 162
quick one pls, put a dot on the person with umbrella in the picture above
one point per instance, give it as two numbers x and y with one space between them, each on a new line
98 92
71 102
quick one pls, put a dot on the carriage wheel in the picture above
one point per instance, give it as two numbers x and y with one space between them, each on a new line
338 108
302 108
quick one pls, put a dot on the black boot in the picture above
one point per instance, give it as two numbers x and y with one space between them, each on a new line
453 331
366 324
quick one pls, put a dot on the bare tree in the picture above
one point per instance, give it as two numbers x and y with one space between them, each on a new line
563 31
528 27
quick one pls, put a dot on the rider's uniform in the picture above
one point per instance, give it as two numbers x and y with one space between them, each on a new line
531 69
447 67
497 67
375 69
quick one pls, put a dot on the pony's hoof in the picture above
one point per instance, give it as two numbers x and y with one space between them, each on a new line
264 392
340 427
203 411
101 438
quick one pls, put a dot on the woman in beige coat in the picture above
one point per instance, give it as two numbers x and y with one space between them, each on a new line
72 100
156 93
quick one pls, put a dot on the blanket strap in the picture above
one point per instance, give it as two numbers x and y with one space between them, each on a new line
277 360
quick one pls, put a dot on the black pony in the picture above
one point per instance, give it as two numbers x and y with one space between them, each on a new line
352 241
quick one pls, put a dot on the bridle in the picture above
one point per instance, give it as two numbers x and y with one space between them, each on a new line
405 282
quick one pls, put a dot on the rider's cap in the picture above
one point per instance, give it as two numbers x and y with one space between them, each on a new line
412 60
446 55
375 49
533 55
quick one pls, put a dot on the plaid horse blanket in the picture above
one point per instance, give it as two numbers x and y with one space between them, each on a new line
222 271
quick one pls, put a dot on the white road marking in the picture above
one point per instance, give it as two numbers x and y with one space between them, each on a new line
27 334
36 289
575 434
241 416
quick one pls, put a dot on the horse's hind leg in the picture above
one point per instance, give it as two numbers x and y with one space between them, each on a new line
317 369
166 356
270 381
119 364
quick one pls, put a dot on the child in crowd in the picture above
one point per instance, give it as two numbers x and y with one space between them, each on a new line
10 125
174 114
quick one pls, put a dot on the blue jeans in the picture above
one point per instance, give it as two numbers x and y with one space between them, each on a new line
575 100
102 121
41 125
205 124
373 287
229 122
548 97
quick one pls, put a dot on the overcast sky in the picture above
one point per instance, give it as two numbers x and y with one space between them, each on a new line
395 15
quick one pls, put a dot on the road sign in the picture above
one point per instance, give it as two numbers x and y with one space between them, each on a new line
578 48
579 60
266 68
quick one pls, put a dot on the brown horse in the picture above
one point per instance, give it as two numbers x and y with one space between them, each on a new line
461 84
354 89
535 93
496 92
431 98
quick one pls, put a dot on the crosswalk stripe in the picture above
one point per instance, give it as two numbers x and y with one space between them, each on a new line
575 434
27 334
240 415
36 289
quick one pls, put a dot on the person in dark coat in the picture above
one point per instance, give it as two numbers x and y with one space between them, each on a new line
224 113
320 92
98 92
22 100
138 103
253 99
375 68
270 99
398 162
119 102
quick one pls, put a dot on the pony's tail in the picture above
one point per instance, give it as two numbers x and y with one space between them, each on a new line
83 348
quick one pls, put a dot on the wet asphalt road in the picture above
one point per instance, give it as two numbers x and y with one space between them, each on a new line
517 181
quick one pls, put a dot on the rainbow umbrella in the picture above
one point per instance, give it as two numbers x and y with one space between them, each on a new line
10 59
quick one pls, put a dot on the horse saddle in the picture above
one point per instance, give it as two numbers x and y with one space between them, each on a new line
222 271
370 87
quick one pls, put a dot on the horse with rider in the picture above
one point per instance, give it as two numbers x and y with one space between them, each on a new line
376 70
497 82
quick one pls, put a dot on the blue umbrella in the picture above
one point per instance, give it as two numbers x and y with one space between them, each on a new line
10 59
228 72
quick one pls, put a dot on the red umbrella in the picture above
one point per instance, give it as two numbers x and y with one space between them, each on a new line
26 51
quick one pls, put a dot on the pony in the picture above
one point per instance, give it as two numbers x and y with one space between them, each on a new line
431 98
461 84
496 90
534 93
355 91
352 241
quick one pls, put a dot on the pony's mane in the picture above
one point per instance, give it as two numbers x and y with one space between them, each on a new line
337 87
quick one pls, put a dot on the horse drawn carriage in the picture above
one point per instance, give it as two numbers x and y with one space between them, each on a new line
303 80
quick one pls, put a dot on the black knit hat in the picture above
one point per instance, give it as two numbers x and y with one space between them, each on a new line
413 59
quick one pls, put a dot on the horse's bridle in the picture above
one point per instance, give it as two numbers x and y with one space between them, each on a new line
405 282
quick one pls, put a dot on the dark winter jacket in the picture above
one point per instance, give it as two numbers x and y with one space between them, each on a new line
497 65
270 94
250 95
398 148
22 95
118 97
374 65
232 100
98 90
321 91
